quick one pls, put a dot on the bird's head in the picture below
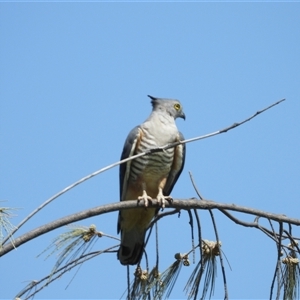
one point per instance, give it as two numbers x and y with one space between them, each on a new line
170 106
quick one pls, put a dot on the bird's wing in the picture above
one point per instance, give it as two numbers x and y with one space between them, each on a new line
177 166
129 149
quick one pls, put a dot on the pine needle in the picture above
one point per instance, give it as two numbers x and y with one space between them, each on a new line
168 278
72 244
291 274
31 286
154 282
139 288
6 227
210 250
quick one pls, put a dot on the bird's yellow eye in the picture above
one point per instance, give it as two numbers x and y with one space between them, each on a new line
177 106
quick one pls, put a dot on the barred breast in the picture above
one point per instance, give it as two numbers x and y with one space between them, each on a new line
151 168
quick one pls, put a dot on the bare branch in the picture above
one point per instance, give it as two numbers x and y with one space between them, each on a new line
253 116
234 125
164 214
176 203
277 268
66 268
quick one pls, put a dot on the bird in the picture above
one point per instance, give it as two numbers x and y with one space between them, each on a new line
148 177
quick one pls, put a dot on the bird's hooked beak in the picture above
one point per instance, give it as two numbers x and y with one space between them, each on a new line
182 115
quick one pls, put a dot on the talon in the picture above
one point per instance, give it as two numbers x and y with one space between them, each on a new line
163 199
145 197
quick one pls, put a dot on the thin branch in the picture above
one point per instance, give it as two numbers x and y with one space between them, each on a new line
156 245
253 116
176 203
201 262
162 215
234 125
271 234
128 283
276 271
221 256
278 259
194 186
67 267
191 222
67 189
292 240
238 221
159 149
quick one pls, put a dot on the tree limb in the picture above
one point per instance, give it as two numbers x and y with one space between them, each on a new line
176 203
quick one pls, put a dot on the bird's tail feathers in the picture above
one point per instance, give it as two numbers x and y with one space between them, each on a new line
132 246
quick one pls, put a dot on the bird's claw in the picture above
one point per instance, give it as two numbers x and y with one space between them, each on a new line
145 197
163 199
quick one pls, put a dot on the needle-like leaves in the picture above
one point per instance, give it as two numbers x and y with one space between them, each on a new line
139 288
154 285
6 227
73 244
168 278
291 274
210 250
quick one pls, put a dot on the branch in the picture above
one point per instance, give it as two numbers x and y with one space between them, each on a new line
255 224
164 214
149 152
66 268
176 203
234 125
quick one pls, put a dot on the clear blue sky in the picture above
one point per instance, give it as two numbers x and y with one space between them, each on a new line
74 80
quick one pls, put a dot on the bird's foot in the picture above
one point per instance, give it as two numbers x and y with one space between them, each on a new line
163 199
145 197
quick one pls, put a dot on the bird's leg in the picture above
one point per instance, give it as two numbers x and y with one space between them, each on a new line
144 196
160 196
162 199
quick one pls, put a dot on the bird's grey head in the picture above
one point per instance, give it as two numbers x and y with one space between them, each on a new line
170 106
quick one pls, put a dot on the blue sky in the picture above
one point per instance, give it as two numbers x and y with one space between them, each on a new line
74 80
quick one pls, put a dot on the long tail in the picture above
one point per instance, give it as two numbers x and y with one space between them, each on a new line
132 246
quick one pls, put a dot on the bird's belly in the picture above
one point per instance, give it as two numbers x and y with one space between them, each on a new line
153 175
158 164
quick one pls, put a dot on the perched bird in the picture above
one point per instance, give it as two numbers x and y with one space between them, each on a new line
149 176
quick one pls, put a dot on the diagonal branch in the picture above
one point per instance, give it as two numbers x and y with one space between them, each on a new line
149 152
66 268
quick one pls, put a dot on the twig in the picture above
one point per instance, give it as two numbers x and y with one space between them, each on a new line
70 265
221 256
195 187
157 248
292 240
131 158
271 234
276 272
253 116
128 283
200 250
162 215
192 232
